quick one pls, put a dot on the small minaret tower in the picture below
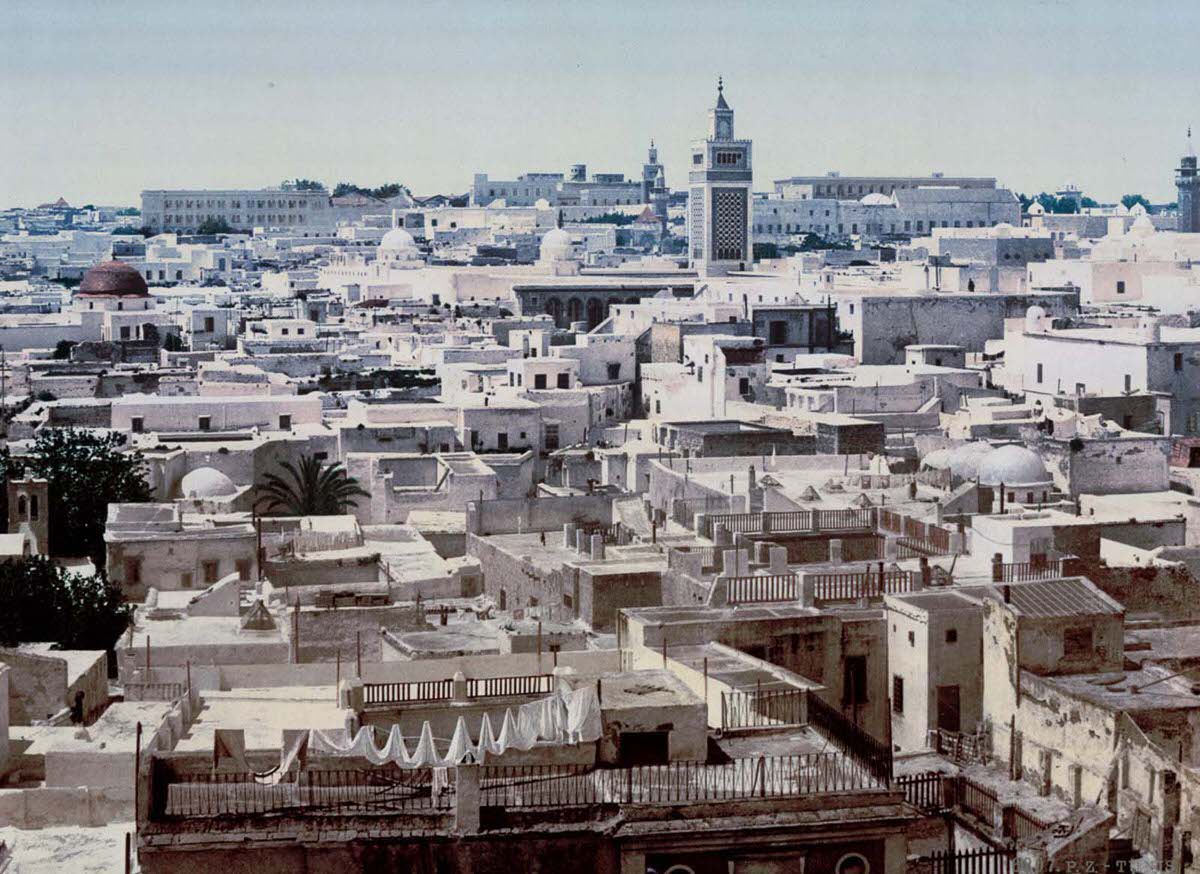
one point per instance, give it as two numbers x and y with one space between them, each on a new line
1187 183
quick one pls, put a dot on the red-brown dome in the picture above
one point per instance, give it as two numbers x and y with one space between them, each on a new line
113 278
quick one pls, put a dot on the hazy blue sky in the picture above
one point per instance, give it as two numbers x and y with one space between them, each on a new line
102 99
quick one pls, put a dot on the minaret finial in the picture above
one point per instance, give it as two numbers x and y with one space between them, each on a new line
720 84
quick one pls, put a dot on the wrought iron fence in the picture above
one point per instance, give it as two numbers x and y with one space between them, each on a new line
977 799
771 709
925 791
985 860
854 742
342 791
1025 825
524 786
1019 572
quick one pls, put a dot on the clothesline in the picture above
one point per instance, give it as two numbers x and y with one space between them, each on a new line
568 717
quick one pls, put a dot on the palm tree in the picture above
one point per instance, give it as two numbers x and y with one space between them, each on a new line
310 488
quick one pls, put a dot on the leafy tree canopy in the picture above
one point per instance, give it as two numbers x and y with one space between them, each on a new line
1052 204
214 226
86 472
302 185
129 210
1132 200
45 602
611 218
382 192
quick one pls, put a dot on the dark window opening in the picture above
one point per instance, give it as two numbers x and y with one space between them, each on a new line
854 680
1077 642
643 748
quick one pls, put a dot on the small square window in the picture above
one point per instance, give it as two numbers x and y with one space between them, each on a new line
951 635
137 424
204 423
912 639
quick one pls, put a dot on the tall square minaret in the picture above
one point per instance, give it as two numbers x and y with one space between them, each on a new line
719 195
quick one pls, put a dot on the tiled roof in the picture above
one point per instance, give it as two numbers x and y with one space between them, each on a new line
1073 596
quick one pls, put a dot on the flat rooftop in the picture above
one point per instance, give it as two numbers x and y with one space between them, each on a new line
263 714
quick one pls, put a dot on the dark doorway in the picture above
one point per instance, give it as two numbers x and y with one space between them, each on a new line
947 709
644 748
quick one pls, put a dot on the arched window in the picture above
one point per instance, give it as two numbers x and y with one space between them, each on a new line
22 507
33 507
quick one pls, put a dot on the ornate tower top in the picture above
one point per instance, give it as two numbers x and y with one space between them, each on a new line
720 116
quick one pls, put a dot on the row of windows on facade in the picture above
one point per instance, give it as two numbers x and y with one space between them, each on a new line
237 204
562 380
550 439
162 274
268 218
797 228
137 424
210 571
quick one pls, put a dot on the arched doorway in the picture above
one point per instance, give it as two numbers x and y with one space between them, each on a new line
574 310
595 312
554 310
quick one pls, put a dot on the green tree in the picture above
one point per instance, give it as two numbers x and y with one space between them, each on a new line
344 188
389 189
129 210
62 349
383 192
1129 201
611 218
302 185
86 472
45 602
214 226
310 488
1088 203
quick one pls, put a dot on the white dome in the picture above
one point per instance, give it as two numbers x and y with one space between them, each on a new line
964 460
1012 466
1137 209
207 482
1035 317
1036 208
397 240
876 199
1142 226
556 246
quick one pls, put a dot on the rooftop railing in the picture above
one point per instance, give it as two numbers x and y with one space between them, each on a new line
525 786
433 691
874 756
343 791
774 708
